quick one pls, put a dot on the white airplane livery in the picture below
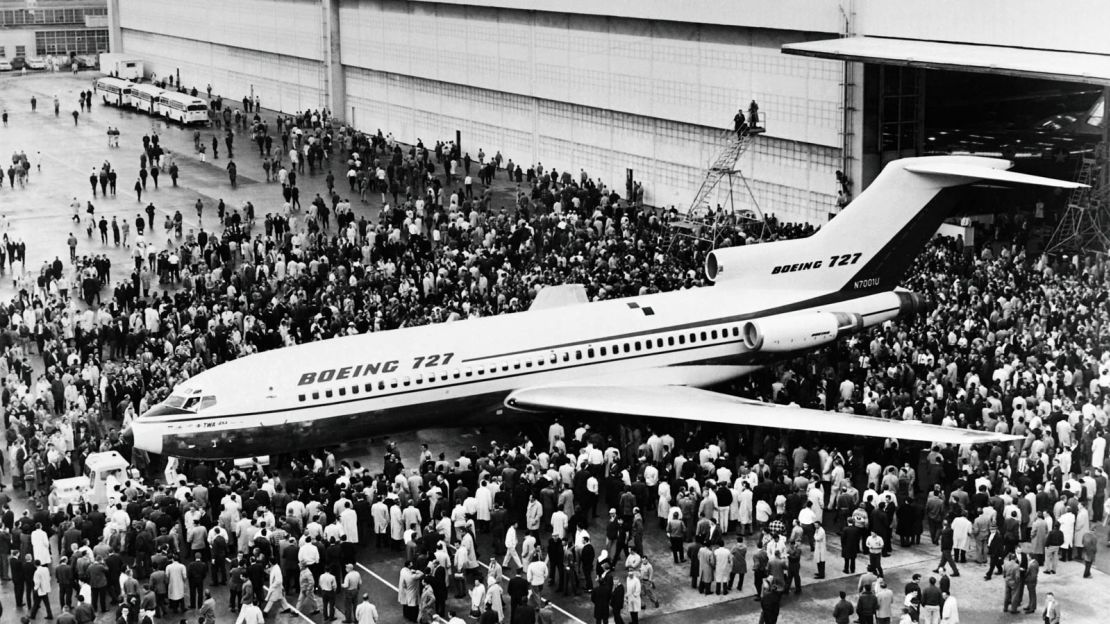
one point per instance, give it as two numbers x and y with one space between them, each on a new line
646 356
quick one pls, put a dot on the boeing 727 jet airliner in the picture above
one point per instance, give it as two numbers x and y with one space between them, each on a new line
650 355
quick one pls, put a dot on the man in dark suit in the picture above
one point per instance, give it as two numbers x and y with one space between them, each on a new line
196 572
63 575
601 596
29 568
98 581
19 581
616 601
849 547
996 548
518 593
114 562
587 561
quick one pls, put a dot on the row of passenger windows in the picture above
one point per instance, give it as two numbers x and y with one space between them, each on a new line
551 358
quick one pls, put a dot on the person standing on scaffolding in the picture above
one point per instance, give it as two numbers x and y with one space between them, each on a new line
738 123
753 114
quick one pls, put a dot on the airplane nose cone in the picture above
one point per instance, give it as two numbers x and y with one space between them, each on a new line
146 437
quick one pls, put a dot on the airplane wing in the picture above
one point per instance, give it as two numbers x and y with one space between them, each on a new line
687 403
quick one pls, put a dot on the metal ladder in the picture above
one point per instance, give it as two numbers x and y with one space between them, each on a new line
724 165
700 222
1081 227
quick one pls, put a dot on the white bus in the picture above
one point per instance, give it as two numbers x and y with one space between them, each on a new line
144 97
183 108
114 91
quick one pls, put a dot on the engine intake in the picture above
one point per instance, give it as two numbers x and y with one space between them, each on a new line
794 332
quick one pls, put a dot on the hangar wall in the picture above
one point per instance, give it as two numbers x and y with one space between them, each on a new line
575 91
271 46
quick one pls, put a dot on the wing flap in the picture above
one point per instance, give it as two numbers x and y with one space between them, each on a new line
686 403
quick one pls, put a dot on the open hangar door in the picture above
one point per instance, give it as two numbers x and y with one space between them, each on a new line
1043 109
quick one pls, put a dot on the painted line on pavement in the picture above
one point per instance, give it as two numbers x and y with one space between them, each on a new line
569 615
303 616
377 576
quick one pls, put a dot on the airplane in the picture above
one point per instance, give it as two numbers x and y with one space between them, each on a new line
645 356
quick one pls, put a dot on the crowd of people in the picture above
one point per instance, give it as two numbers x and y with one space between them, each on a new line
1012 343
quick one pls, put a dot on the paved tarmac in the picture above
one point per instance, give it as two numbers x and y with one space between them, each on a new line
40 216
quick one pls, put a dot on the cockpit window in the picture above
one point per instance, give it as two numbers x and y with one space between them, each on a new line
193 403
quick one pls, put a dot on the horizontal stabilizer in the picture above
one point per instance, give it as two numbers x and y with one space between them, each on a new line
686 403
978 172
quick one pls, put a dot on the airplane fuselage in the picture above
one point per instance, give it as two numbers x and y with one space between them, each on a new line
353 387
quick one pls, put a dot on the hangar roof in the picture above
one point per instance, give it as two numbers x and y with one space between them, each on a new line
1024 62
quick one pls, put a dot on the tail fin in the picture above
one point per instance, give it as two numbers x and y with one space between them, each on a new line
873 240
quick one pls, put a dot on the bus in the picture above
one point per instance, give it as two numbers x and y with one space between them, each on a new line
182 108
114 91
144 97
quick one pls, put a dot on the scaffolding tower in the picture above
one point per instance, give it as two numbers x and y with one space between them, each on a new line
702 222
1085 225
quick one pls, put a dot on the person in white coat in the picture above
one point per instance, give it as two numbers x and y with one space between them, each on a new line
379 513
1067 527
633 590
178 584
40 545
950 610
348 518
495 598
484 496
275 591
745 506
663 504
1082 527
961 537
820 552
722 568
396 526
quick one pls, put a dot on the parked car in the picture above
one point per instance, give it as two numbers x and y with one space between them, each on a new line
19 63
35 62
5 65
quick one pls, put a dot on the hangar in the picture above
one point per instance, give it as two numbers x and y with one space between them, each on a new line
645 90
